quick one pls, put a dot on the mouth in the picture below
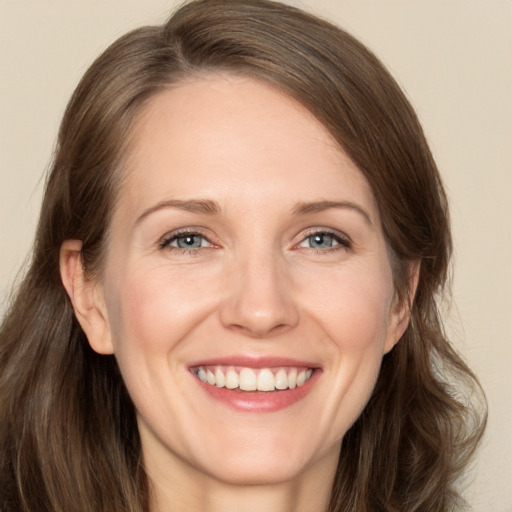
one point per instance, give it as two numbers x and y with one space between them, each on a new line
244 378
257 385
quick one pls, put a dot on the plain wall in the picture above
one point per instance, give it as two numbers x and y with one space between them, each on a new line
453 58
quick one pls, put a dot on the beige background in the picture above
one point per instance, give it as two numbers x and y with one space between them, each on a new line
453 57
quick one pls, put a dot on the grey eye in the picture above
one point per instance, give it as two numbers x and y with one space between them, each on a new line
189 241
320 241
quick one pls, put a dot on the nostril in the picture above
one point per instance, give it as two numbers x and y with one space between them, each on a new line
260 330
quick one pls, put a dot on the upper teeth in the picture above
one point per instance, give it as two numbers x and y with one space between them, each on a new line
248 379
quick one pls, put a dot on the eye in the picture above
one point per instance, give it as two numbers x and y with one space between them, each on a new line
189 242
324 240
186 241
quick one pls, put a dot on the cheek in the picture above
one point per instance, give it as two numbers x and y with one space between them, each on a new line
347 310
354 307
152 310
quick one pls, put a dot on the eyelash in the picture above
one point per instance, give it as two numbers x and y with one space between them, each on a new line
342 241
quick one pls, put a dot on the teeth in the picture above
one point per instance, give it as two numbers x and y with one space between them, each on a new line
220 379
281 379
292 379
232 380
210 378
201 374
266 381
249 379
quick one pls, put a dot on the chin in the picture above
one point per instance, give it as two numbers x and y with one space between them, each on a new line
260 472
268 461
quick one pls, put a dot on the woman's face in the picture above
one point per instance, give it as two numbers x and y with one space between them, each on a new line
246 253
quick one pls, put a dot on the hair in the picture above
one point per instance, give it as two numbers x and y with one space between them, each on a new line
68 434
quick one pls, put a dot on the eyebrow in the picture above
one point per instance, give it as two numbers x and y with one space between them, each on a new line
209 207
303 208
204 206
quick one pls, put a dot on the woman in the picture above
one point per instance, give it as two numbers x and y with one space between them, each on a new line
232 298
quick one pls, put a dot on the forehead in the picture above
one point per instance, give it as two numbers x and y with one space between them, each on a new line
224 134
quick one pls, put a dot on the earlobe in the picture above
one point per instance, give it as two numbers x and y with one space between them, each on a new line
401 314
86 296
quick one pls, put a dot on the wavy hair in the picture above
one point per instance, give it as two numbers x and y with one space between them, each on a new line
68 434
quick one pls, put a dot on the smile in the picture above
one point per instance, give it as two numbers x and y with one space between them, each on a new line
251 379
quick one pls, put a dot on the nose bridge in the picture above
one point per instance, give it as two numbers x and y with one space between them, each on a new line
260 301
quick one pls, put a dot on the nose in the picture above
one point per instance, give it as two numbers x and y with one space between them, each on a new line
260 299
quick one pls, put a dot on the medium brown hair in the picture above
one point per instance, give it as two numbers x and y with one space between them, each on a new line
68 434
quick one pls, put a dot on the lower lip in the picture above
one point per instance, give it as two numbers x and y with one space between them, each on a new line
260 401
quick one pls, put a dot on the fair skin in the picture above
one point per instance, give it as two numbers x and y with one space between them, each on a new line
244 240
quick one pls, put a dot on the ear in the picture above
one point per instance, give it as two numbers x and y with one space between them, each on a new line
87 297
400 313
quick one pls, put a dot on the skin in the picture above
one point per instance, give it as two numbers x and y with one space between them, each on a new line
257 287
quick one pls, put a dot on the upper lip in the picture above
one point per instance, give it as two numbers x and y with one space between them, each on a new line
256 362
